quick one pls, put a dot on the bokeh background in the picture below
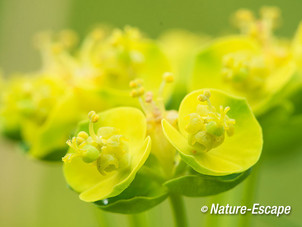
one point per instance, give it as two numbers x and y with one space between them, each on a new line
35 194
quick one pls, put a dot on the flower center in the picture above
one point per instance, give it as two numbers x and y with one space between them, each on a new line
32 100
207 127
245 73
107 148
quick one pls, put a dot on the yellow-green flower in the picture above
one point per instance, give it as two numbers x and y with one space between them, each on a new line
218 133
255 65
239 66
27 102
107 60
107 153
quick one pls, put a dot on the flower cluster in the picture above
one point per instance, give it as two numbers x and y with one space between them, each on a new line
162 114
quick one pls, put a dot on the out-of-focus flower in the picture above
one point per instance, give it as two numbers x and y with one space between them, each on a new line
26 104
256 65
99 71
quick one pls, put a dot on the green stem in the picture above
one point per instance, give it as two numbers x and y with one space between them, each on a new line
138 220
101 217
179 212
249 195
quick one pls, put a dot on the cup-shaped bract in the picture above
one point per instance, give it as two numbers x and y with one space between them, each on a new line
214 140
103 164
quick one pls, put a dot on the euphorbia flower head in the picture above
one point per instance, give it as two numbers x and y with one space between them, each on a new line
106 153
218 133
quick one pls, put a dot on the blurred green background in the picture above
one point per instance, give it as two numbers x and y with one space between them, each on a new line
35 194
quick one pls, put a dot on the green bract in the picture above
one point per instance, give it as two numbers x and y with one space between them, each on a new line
142 194
123 149
239 66
198 185
202 141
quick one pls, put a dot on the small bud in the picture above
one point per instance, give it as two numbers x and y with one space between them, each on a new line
168 77
93 116
133 93
136 83
133 84
141 91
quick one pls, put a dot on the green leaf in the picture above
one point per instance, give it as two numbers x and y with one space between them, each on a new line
142 194
199 185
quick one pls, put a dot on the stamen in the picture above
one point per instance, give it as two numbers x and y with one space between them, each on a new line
168 77
93 117
206 97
